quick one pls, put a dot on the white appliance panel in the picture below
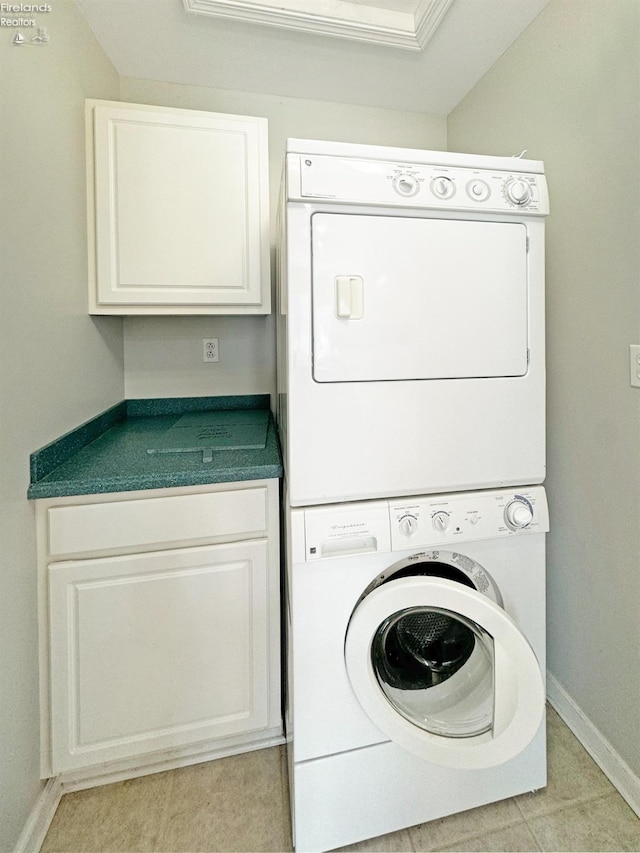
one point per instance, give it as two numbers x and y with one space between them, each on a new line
395 790
438 299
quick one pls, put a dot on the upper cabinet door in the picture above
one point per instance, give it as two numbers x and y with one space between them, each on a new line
178 211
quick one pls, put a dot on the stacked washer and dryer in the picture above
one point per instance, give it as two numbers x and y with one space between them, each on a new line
411 405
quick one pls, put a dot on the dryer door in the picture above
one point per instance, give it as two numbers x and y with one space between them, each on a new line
444 672
398 297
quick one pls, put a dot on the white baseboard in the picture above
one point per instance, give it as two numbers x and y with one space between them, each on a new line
37 825
598 747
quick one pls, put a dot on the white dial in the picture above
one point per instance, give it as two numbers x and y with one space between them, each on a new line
406 185
441 521
478 190
408 525
443 187
518 514
517 191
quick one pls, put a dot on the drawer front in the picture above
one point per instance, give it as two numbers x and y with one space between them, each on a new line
156 521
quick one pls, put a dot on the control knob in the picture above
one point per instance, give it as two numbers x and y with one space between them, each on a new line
443 187
406 185
440 521
408 525
518 514
478 190
517 191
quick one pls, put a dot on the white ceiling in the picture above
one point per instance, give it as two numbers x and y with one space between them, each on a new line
160 40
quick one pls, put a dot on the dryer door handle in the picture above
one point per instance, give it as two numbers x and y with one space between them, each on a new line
349 297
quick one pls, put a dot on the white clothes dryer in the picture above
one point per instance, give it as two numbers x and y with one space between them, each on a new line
415 660
411 322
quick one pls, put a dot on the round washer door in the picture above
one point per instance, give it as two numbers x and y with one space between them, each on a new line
485 700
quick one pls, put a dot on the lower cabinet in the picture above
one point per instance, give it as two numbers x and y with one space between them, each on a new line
152 652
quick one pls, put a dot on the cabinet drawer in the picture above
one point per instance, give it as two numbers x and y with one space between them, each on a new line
156 521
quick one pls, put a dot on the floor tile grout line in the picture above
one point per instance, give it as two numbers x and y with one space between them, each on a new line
165 812
411 849
471 836
476 836
284 793
414 849
575 804
535 837
578 801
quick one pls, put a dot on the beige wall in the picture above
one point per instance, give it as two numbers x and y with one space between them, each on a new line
163 356
568 90
58 367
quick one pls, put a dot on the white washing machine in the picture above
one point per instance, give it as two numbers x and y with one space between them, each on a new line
411 322
416 660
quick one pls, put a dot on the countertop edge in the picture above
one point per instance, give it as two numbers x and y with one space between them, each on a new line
69 488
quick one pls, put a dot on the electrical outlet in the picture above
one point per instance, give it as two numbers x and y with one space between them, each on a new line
634 365
210 351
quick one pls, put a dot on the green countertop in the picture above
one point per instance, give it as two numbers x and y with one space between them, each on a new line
111 452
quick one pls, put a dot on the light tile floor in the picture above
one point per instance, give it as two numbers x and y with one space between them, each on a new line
241 804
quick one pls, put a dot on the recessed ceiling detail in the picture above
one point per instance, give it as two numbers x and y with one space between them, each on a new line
383 23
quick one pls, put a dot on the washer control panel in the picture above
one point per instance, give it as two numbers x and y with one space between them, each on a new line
417 185
427 521
365 527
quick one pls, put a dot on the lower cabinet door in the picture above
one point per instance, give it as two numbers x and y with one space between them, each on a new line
158 650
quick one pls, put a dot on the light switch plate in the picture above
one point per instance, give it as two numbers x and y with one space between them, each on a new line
634 365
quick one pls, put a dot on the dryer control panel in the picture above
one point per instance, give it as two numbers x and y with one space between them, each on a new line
359 181
437 519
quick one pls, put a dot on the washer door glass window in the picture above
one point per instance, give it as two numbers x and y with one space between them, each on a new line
435 667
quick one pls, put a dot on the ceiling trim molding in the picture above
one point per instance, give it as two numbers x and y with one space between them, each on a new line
428 18
339 18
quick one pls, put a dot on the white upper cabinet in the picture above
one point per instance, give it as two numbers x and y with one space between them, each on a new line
178 211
